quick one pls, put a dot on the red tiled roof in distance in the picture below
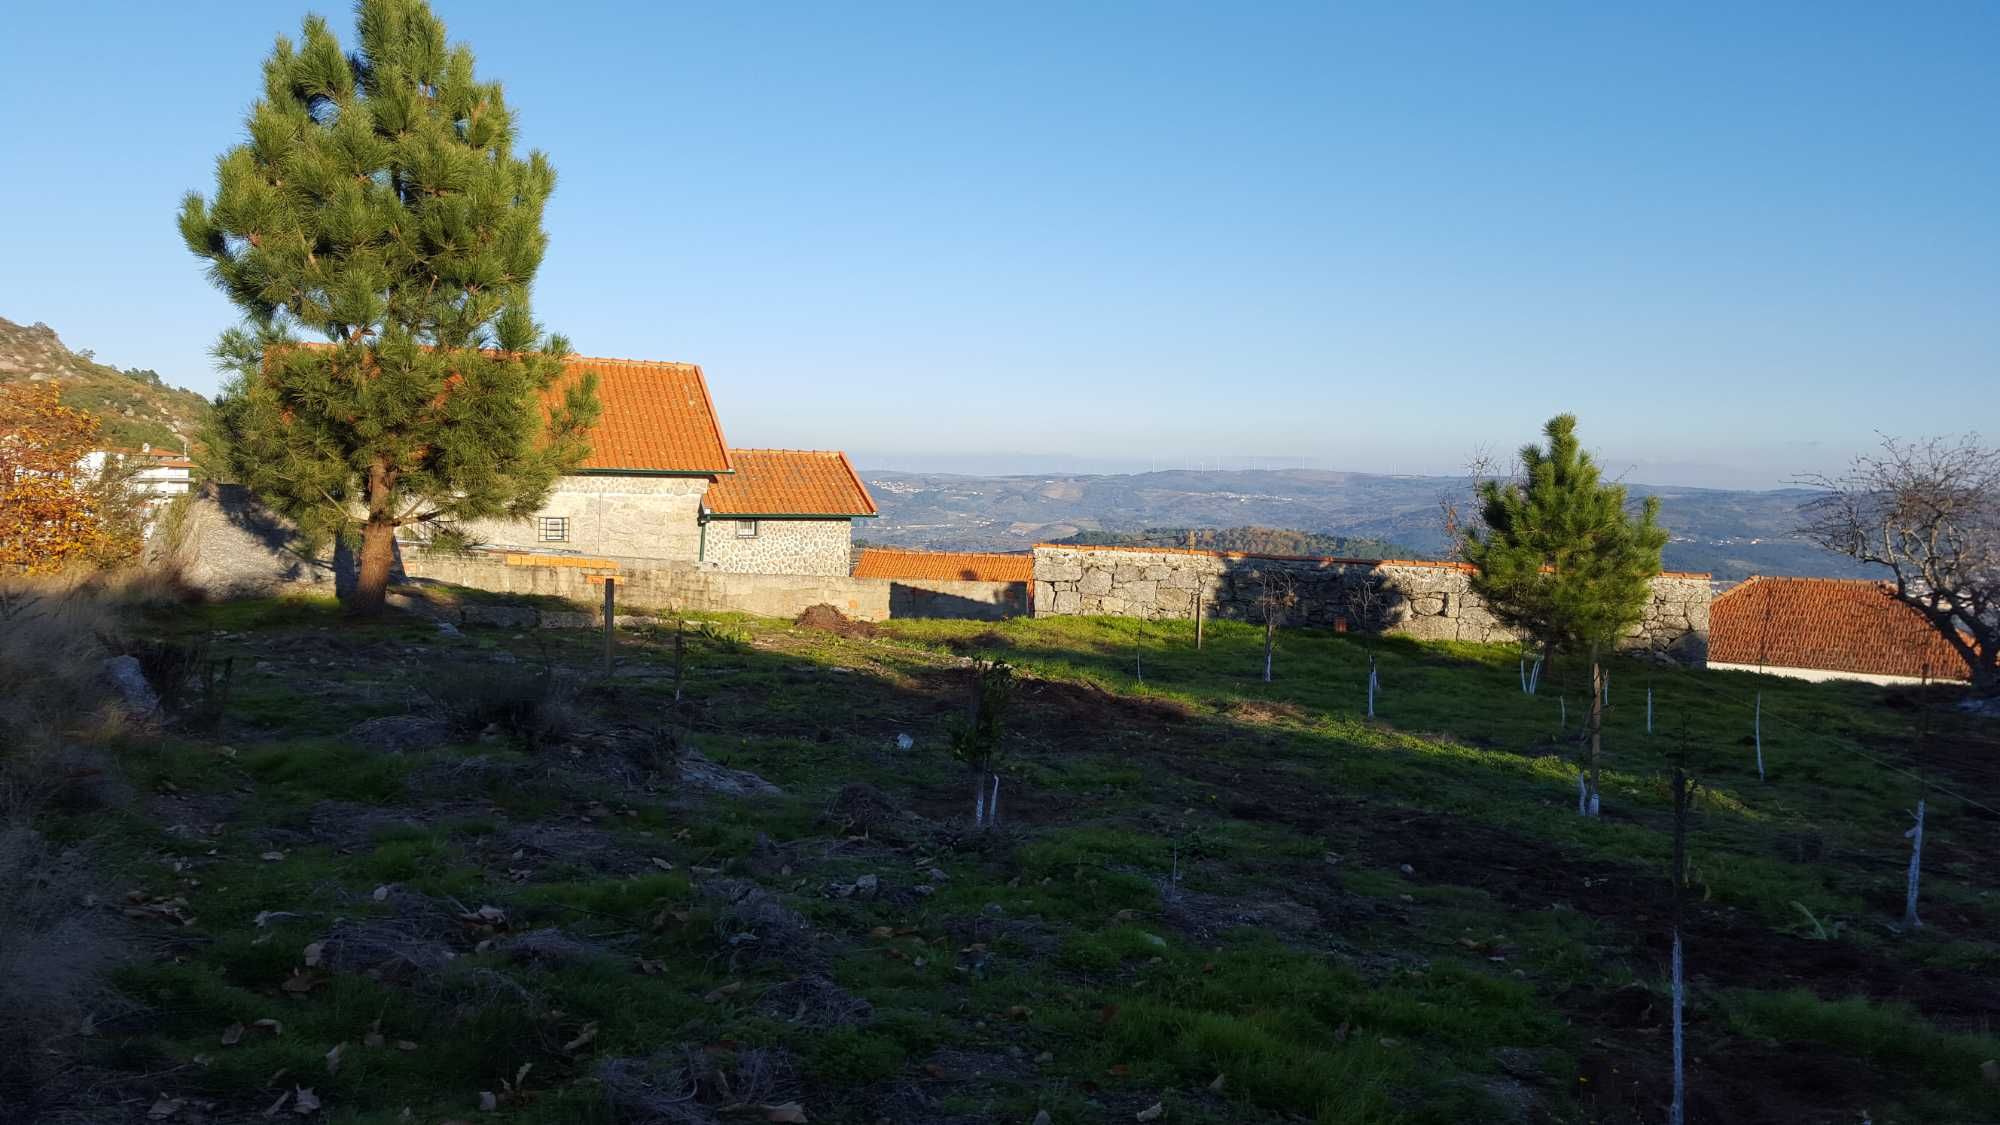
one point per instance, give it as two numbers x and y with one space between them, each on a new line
1831 624
789 482
944 566
654 418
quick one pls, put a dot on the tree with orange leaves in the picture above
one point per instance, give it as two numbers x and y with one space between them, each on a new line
55 513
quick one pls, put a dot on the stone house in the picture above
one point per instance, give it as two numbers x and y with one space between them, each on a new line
661 484
783 511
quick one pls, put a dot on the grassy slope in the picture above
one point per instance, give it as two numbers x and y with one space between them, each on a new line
1397 920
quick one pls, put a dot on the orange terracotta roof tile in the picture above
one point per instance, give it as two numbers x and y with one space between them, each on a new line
1831 624
655 417
789 482
944 566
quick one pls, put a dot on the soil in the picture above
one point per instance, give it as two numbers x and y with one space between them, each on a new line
826 619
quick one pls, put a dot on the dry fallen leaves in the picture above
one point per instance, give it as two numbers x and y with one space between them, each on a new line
333 1058
788 1111
232 1035
304 1102
1151 1113
165 1108
313 953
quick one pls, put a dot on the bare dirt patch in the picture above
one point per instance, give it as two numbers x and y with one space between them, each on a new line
826 619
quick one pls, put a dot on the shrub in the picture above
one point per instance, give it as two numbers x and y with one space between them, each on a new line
530 705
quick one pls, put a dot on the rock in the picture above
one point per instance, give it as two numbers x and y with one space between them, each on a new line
867 886
129 681
701 773
904 742
1041 1118
446 628
1151 1113
501 616
1990 1070
399 733
923 890
1407 869
229 545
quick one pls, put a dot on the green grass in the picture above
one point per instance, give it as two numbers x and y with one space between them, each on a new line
1379 994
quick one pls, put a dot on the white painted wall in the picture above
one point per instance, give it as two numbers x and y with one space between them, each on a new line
1825 675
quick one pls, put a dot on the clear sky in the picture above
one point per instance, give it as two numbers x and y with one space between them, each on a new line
1737 239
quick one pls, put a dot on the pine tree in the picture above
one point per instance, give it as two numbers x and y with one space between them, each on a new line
1562 561
378 205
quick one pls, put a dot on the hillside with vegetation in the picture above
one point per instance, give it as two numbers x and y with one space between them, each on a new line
1731 534
1250 540
137 407
396 871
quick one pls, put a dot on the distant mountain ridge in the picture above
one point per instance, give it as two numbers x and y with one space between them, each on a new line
137 407
1249 540
1730 534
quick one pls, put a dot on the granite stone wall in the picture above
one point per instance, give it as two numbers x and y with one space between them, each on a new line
1426 600
649 584
822 547
653 517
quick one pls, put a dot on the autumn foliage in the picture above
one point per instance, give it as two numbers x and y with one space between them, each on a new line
54 513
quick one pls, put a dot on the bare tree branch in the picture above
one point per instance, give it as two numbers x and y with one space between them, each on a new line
1929 512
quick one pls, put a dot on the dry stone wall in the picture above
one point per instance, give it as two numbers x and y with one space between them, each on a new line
1426 600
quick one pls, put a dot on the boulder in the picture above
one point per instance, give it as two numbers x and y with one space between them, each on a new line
128 681
228 544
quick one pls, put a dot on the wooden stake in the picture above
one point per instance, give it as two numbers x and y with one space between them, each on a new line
610 619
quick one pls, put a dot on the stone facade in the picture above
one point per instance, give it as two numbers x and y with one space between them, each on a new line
781 546
656 517
1426 600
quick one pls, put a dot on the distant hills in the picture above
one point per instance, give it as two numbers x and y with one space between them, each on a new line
1731 534
137 407
1252 540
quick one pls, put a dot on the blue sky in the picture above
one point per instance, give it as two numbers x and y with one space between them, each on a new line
1735 239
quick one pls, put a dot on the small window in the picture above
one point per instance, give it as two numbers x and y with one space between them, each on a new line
746 529
555 529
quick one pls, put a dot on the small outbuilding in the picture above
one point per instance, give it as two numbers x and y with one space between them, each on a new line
1827 629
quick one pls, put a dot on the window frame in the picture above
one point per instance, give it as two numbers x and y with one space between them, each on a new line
543 525
747 529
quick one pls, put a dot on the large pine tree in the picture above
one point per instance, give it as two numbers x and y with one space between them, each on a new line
1562 561
381 237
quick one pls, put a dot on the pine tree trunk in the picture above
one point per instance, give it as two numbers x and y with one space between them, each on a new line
378 547
1596 722
378 558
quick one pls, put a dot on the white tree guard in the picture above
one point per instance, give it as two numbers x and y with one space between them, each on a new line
1757 730
1676 1115
1374 685
1916 838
